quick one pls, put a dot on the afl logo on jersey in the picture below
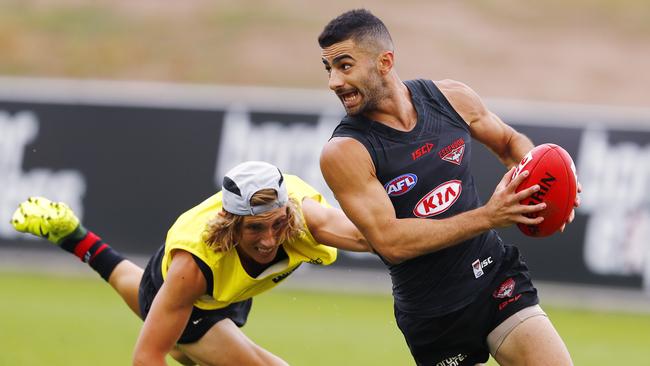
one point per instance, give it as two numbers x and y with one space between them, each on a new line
400 185
439 200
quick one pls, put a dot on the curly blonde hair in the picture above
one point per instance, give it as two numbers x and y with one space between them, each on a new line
223 232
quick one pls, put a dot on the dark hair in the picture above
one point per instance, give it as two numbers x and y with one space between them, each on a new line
359 25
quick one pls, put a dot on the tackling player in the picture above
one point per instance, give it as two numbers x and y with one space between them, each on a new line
197 290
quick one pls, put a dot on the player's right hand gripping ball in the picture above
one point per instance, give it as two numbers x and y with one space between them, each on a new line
552 168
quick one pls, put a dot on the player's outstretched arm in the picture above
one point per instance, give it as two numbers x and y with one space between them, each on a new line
349 172
331 227
170 310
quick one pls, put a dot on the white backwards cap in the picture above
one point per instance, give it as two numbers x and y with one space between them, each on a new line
244 180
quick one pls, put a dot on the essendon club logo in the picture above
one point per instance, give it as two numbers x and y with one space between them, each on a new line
454 152
439 199
506 289
400 185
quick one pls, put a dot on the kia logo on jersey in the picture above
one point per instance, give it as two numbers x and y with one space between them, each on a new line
439 200
400 185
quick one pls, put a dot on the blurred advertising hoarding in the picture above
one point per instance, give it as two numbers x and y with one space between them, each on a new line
131 157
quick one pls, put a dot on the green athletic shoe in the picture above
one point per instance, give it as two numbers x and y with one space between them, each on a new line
46 219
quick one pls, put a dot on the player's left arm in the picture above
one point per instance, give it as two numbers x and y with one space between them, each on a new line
331 227
504 141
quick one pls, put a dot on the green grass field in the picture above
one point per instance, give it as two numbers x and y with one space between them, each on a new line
80 321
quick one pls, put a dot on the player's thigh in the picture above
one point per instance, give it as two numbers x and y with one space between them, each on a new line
225 344
181 357
533 342
125 279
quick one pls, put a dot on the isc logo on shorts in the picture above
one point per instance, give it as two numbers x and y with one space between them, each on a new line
400 185
478 265
439 200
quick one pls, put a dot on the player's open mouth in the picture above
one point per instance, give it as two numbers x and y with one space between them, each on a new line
350 99
264 251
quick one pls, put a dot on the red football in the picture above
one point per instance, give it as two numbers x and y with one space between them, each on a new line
552 168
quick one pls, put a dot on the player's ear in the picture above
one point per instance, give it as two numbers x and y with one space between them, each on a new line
385 62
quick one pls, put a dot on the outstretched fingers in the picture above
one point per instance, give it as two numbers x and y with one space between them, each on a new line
517 180
506 180
505 205
576 203
527 214
529 217
525 193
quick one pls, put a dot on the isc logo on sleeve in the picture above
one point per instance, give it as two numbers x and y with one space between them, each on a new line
400 185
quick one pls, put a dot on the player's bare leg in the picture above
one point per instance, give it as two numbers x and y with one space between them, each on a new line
533 342
57 223
225 344
125 279
181 357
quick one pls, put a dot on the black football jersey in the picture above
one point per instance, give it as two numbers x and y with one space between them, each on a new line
426 174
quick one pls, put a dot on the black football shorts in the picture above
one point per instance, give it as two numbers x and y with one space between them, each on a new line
201 320
460 338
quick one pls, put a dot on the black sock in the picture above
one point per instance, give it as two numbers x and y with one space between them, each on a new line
91 249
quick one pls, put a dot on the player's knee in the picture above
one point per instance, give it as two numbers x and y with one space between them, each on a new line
181 357
264 357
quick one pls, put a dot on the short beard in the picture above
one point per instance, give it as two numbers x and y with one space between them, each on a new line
373 95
